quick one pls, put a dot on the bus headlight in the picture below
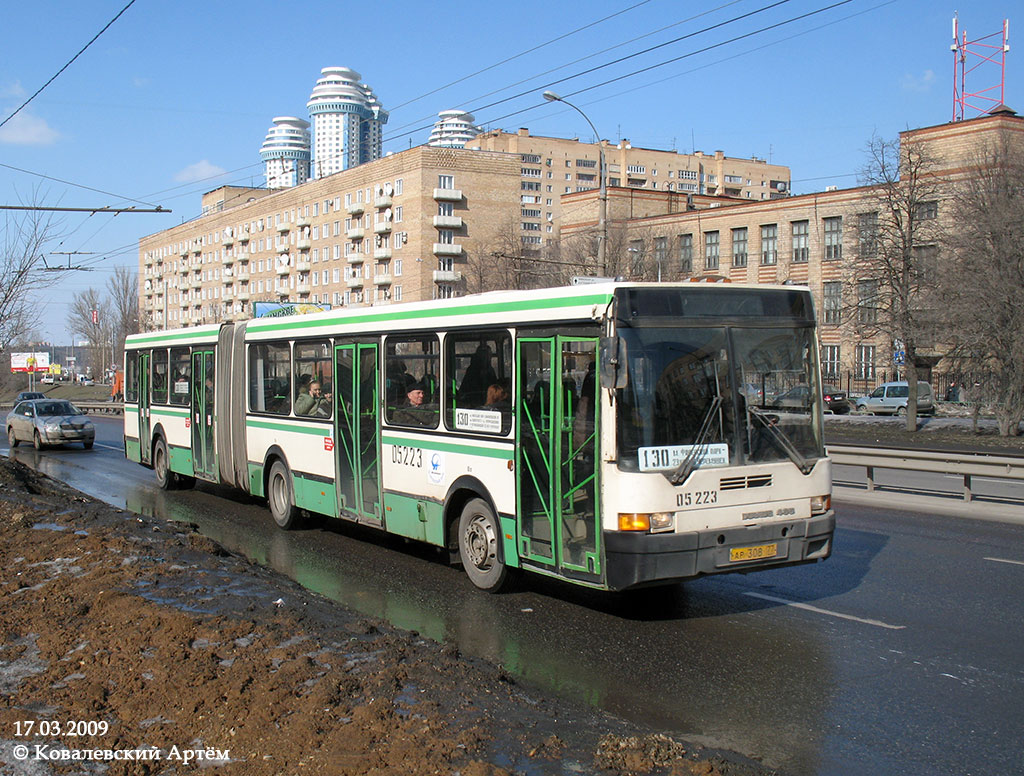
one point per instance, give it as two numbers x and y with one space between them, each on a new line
646 521
820 504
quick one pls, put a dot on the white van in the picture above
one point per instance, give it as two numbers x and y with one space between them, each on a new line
891 399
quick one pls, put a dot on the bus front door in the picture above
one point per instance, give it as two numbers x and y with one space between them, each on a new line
204 461
558 521
145 443
358 431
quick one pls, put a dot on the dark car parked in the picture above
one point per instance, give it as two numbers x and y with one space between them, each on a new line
836 400
798 398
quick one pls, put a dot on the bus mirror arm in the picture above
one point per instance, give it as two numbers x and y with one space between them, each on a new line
612 353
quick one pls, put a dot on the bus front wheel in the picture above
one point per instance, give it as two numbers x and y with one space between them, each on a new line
279 497
479 534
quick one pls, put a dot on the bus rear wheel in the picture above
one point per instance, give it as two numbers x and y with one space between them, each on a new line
165 478
479 534
279 497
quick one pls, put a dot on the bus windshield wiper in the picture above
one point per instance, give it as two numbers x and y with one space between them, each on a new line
698 448
783 441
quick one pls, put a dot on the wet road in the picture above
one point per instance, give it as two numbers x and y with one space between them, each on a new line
901 654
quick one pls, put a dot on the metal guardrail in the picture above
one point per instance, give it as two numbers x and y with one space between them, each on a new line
929 461
112 407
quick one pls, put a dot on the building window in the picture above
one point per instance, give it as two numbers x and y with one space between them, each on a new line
832 294
834 237
660 252
739 247
711 245
864 369
769 244
867 233
830 362
926 211
686 253
801 249
867 301
445 208
446 181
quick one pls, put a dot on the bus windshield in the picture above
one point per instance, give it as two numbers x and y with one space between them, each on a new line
718 396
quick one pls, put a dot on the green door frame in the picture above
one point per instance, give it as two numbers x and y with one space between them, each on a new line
145 443
357 426
204 458
558 516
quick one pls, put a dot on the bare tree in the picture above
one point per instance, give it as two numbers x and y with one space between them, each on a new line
505 262
86 307
894 272
983 280
123 290
26 236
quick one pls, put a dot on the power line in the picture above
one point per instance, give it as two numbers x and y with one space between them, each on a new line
66 66
76 185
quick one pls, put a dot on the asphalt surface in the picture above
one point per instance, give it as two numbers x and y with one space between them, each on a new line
900 654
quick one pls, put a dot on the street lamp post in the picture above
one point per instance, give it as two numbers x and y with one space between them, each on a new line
602 198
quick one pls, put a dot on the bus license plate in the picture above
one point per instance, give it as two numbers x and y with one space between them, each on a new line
738 554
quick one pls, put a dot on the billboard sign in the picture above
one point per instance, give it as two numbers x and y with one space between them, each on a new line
277 309
30 362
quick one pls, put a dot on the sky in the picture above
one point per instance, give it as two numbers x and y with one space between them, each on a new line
175 98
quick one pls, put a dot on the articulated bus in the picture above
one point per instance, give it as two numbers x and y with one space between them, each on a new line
614 435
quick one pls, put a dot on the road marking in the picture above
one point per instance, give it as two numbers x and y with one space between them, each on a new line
111 447
1004 560
809 608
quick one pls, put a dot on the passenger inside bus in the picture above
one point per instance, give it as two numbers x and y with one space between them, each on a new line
479 377
313 402
415 411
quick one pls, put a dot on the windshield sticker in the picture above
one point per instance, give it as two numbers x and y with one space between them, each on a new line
656 459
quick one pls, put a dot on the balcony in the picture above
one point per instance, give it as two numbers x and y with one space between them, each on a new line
227 261
447 249
243 238
448 222
355 207
242 275
228 241
243 295
382 201
197 283
303 243
382 280
283 291
228 279
447 276
283 248
302 288
448 195
355 233
303 265
149 260
284 228
283 269
301 222
382 253
384 227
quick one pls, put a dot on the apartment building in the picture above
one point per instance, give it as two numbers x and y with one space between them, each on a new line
391 230
553 167
810 239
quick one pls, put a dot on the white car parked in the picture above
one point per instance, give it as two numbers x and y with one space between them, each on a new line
891 399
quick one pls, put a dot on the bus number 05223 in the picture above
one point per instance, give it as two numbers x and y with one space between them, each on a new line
697 498
407 456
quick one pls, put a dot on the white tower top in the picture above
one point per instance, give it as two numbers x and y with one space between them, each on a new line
347 120
453 129
286 152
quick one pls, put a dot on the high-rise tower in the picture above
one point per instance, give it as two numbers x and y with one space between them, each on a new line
453 129
286 153
347 121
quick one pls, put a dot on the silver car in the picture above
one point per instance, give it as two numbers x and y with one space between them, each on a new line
49 422
891 399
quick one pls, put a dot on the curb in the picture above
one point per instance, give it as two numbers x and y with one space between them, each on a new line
952 506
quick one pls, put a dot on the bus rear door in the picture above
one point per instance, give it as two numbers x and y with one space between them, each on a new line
204 460
145 443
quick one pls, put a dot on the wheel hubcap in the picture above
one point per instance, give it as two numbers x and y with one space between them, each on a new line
480 542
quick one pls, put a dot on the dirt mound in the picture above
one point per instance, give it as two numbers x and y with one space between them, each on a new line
122 634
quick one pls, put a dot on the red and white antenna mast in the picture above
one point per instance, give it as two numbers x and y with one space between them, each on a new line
969 56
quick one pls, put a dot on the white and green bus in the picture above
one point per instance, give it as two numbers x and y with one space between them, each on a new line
614 435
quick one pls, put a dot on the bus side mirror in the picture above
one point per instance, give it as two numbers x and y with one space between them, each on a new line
612 352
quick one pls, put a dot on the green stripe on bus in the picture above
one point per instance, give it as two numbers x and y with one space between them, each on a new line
476 309
184 334
315 431
165 411
450 447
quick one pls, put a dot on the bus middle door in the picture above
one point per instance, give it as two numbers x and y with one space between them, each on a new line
204 461
358 431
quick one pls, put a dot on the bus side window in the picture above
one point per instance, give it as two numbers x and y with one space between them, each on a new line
478 380
159 388
181 376
270 378
411 364
131 378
